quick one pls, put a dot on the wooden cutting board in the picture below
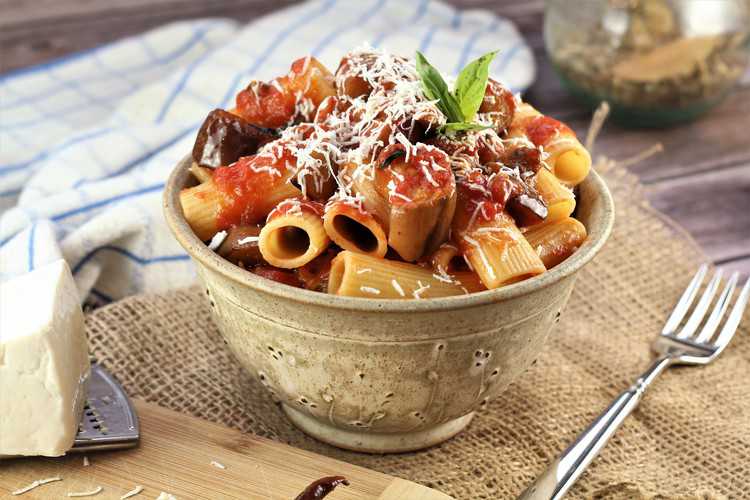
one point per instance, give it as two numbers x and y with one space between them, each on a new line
175 455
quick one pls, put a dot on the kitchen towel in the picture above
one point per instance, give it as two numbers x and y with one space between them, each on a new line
87 142
689 439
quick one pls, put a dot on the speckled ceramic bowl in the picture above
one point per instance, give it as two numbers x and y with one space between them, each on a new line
385 375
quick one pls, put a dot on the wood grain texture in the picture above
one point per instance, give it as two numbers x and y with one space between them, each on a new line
703 160
175 456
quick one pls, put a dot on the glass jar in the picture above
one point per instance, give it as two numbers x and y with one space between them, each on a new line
657 62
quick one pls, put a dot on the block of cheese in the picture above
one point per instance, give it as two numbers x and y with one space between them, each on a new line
44 364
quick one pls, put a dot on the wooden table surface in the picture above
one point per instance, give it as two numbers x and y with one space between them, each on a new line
702 180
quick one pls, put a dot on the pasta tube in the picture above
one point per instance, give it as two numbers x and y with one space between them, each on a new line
293 234
359 275
559 199
469 280
251 187
202 174
411 191
440 260
568 159
498 252
557 241
353 228
201 205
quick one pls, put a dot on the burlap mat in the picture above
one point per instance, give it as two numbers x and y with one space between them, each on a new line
690 438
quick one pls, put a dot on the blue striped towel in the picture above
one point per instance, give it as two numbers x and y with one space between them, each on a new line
87 142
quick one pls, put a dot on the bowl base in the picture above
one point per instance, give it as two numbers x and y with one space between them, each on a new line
375 442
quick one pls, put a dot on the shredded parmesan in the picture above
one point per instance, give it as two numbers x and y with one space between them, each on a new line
135 491
166 496
86 462
419 291
36 484
248 239
91 493
398 288
369 289
218 465
217 240
364 270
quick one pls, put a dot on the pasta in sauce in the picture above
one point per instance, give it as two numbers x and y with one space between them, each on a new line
351 184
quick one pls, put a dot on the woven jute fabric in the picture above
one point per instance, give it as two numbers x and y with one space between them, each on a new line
690 437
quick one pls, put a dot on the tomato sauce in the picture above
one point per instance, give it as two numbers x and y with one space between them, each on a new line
247 184
278 275
540 129
424 177
267 104
294 205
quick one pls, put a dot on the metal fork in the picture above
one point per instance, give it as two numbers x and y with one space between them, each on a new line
674 346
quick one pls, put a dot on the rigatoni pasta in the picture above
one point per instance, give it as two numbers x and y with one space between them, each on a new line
293 234
353 228
568 159
369 183
359 275
555 242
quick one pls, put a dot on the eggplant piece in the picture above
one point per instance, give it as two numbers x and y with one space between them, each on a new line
521 201
527 160
241 245
224 138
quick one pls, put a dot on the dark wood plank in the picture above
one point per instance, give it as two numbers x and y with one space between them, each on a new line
742 266
35 32
713 206
719 140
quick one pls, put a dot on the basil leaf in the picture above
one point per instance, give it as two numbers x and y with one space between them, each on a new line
463 127
471 85
435 89
392 158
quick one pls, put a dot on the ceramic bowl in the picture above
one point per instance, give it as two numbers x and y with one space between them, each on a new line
385 375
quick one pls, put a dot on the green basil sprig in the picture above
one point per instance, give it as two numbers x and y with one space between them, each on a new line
460 106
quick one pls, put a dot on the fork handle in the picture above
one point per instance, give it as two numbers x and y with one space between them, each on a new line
565 470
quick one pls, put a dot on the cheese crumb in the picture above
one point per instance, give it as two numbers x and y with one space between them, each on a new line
217 240
91 493
248 239
218 465
36 484
397 287
369 289
132 492
166 496
86 462
422 288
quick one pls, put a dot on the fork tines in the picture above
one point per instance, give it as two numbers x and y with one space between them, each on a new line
698 315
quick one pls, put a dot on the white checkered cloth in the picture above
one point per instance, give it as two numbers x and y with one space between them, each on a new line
87 142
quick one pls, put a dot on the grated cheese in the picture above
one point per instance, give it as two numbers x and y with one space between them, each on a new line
135 491
369 289
419 291
364 270
166 496
91 493
216 241
86 461
218 465
398 288
36 484
248 239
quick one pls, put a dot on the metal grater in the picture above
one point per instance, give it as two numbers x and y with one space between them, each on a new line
109 421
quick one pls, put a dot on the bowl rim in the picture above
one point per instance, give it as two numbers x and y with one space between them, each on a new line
603 220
